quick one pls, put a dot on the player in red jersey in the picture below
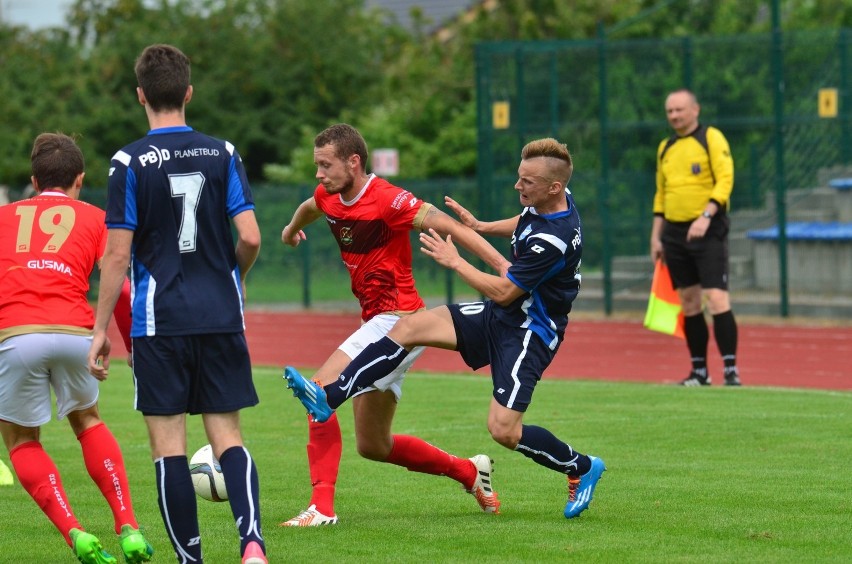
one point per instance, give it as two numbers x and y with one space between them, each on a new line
371 220
49 245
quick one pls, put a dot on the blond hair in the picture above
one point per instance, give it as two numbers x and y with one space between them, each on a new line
558 157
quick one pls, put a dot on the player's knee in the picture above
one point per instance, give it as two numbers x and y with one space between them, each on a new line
505 435
404 331
373 450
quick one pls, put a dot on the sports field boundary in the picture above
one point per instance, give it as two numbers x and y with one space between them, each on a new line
771 353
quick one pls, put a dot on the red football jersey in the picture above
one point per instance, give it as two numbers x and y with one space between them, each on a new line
372 232
49 245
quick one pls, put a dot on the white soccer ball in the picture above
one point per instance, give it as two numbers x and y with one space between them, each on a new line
207 477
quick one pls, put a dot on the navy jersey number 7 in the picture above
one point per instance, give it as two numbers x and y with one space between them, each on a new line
177 190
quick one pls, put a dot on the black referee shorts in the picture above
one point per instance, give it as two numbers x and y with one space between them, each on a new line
703 261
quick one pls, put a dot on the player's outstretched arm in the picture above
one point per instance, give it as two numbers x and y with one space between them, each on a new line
498 228
466 237
305 214
499 289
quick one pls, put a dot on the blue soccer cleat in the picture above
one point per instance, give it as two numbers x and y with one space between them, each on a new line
580 489
309 393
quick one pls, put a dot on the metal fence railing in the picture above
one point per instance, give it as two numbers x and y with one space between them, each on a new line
782 100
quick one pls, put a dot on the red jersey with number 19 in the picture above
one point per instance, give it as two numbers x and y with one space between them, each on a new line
372 231
49 245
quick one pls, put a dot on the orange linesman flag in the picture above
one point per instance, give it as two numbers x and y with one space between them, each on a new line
664 311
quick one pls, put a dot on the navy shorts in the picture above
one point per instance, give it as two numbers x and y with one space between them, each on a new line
518 357
702 261
192 374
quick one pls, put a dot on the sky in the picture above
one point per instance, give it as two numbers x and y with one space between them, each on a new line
39 14
34 13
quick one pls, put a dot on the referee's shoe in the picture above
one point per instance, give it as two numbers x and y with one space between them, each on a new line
696 378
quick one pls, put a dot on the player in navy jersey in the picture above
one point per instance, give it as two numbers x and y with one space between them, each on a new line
173 196
516 331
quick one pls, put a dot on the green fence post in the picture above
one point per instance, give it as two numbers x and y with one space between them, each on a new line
485 161
603 189
780 192
845 98
754 176
306 262
521 101
554 96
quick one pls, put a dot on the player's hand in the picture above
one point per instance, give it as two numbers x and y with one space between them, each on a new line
443 252
465 217
98 358
292 239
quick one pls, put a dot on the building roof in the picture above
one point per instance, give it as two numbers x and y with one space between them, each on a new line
436 12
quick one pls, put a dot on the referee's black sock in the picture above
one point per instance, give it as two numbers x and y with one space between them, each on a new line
376 361
697 336
725 332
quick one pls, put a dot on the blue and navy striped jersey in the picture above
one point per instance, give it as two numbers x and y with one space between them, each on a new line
177 189
546 253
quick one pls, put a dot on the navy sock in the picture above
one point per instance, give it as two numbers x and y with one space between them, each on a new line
243 494
176 498
376 361
544 448
697 336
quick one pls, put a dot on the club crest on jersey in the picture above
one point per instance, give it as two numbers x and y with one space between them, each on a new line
345 235
155 155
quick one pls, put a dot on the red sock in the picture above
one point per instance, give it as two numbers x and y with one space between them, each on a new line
106 467
419 456
324 450
40 477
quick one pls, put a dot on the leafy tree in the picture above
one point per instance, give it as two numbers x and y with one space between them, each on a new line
267 85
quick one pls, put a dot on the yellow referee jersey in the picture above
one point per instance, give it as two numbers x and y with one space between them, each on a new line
689 176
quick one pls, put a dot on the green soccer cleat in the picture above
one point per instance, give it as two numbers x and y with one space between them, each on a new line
134 546
88 549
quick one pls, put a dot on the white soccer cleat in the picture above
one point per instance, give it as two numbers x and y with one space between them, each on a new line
481 490
310 517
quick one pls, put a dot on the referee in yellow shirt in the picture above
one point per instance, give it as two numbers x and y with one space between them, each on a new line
695 176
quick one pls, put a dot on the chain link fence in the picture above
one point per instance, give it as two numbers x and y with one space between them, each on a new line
782 101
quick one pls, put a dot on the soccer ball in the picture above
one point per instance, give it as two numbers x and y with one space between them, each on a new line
207 478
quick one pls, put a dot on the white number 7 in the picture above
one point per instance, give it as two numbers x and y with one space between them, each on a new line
187 187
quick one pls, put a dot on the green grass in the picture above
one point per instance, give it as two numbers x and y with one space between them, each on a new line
694 475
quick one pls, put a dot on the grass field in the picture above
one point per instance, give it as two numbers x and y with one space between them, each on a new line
694 475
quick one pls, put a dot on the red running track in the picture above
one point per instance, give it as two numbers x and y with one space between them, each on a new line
786 355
